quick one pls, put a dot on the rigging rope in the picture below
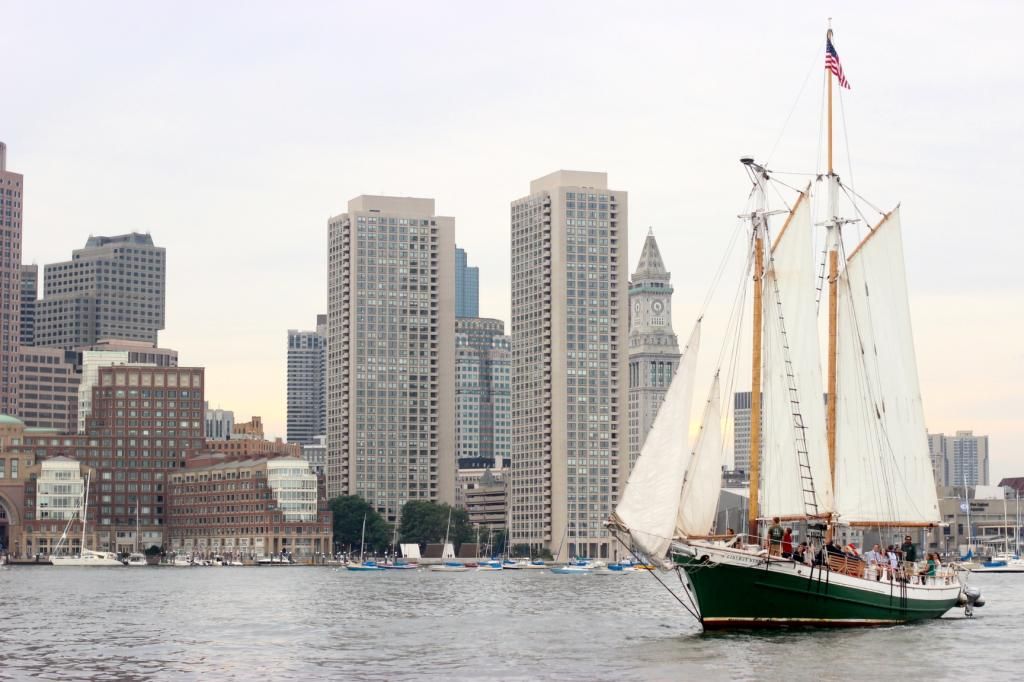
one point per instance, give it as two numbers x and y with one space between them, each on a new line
814 63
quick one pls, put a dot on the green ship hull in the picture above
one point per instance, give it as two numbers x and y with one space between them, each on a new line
742 597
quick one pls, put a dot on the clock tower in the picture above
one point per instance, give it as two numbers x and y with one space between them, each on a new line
653 347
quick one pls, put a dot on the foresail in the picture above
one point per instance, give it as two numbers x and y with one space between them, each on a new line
883 469
792 384
702 482
650 501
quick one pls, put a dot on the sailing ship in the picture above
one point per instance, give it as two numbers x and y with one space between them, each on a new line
449 566
364 565
85 557
857 459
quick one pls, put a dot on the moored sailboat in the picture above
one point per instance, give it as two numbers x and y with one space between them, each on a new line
859 459
85 557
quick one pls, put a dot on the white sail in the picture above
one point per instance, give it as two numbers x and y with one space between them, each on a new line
650 501
698 501
791 333
883 469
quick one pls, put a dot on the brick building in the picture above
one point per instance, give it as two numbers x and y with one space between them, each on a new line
249 508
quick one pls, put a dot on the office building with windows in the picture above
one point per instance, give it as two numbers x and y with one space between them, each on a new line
467 287
11 198
113 288
483 389
307 383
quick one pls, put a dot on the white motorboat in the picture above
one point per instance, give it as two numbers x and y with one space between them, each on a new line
182 561
136 559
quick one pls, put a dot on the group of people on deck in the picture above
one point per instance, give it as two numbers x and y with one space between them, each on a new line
896 562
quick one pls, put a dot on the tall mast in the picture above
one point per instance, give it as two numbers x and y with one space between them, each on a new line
758 220
85 513
832 241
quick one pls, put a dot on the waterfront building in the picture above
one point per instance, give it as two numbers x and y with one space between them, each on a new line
113 288
316 454
48 383
483 401
29 295
653 346
111 353
487 503
986 528
569 362
250 430
959 460
467 287
145 422
11 208
219 423
473 470
391 353
249 508
307 383
254 447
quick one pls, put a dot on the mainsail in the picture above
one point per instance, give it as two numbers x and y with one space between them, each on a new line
698 500
883 469
791 382
650 501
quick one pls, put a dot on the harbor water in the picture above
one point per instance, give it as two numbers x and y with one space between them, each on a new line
291 623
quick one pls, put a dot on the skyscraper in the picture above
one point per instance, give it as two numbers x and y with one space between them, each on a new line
391 353
483 401
307 383
653 347
29 294
741 433
569 362
111 289
11 190
467 287
959 460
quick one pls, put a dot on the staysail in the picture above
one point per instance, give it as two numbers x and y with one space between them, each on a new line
650 501
698 500
792 385
883 469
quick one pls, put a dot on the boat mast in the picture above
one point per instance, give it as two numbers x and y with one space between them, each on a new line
759 227
832 240
85 513
362 540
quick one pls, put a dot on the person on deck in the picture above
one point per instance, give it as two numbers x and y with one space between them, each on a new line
799 554
909 551
775 534
787 544
874 556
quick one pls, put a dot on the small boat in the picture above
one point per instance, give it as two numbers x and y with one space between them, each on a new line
492 565
576 567
182 561
450 567
535 565
399 564
235 562
87 558
365 566
136 559
1001 563
513 565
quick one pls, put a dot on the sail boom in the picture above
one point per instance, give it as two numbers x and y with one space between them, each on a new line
891 524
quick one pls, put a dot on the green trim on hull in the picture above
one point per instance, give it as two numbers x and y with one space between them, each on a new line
747 597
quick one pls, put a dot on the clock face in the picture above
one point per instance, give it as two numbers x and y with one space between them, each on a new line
657 306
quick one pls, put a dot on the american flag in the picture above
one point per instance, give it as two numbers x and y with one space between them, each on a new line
833 65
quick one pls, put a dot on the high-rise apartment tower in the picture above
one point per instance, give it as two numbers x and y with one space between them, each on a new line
569 362
307 383
391 353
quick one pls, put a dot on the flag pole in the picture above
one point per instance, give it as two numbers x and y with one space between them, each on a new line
833 297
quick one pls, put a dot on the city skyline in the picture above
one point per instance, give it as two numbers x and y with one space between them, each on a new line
203 187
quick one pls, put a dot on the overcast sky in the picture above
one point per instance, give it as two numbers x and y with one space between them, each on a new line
231 131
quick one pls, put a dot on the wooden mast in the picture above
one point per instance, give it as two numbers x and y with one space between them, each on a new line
833 298
755 368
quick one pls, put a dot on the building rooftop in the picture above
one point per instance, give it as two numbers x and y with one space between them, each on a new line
130 238
8 420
